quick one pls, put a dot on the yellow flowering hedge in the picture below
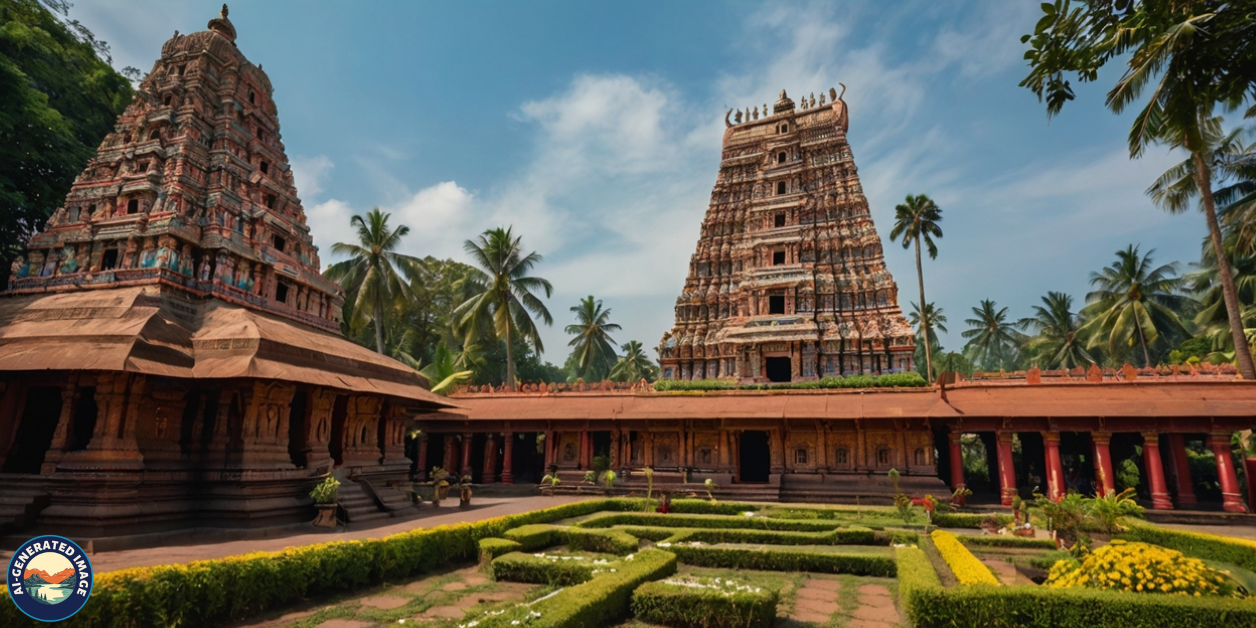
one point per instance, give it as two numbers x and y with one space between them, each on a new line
1141 567
967 569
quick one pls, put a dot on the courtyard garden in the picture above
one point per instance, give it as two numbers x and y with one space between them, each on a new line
708 564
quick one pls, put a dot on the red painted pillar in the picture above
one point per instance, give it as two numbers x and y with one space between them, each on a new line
466 454
422 464
1055 468
1007 472
1181 471
585 459
957 461
488 474
1103 462
508 455
1155 472
451 454
549 449
1219 442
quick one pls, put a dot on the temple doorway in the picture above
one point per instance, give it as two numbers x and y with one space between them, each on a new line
478 443
778 369
756 456
435 452
527 458
339 411
34 433
1030 462
296 430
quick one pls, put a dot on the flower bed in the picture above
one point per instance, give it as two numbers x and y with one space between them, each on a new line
1241 552
1140 567
770 558
602 601
967 569
688 602
552 569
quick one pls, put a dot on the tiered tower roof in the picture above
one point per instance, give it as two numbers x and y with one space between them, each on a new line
192 191
788 281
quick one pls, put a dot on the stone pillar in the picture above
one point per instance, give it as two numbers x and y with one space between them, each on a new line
360 441
1007 472
1155 471
1055 468
422 456
394 445
488 474
584 459
1103 462
1219 443
508 454
113 446
466 454
957 460
1181 471
61 437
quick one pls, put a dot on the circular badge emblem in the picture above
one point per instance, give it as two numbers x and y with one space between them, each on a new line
49 578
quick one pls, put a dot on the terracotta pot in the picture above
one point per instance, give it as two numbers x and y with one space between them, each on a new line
441 493
326 516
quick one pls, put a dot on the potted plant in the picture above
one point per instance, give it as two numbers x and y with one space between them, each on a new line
464 491
325 497
710 489
440 485
608 480
549 483
959 498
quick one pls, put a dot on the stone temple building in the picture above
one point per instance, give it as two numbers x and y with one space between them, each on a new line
170 355
788 282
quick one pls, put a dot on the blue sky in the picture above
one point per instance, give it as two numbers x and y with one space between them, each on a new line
594 129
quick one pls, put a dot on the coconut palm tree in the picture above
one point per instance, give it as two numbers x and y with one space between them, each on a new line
1056 340
634 365
445 372
1134 303
503 292
375 274
936 316
1212 321
917 219
592 345
992 338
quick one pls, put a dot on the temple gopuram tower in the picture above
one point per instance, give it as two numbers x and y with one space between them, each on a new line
788 282
171 355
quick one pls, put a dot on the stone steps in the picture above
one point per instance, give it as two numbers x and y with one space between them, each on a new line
358 505
20 506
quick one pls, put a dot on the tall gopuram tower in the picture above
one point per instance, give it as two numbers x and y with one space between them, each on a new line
788 282
169 353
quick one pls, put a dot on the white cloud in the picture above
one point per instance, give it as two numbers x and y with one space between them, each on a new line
310 173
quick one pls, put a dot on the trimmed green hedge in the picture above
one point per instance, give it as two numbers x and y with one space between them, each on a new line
492 548
604 541
520 567
997 540
773 559
534 536
650 533
847 536
1239 552
967 519
915 575
219 591
602 601
705 507
678 606
1040 607
706 521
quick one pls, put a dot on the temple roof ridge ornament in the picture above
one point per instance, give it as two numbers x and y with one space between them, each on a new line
223 26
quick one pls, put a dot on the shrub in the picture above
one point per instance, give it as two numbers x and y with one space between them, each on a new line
705 521
1143 568
492 548
704 603
967 569
704 507
551 569
847 536
969 520
1041 607
602 601
651 533
997 540
1241 552
785 559
915 576
603 541
218 591
535 536
913 380
664 385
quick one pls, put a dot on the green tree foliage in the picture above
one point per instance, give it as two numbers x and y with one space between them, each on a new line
1135 304
993 341
376 274
937 321
917 219
504 293
1057 343
634 366
592 347
1192 56
59 97
445 372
